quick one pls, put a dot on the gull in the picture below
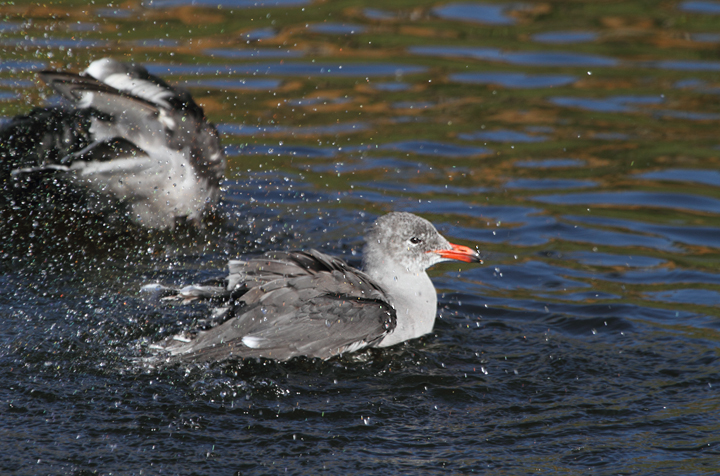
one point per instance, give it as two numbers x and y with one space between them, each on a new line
286 304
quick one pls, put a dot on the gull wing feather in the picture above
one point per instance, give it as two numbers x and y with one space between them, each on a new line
295 303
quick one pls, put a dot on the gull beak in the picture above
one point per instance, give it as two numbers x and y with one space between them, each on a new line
460 253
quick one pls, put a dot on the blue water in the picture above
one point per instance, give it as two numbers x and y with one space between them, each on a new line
231 84
435 148
706 37
610 104
256 53
223 3
563 37
393 87
550 163
540 58
158 43
493 14
551 184
576 145
708 177
331 130
695 6
259 34
289 69
336 28
53 43
378 14
514 80
8 96
502 135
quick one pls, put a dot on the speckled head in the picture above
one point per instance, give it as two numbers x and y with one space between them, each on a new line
406 241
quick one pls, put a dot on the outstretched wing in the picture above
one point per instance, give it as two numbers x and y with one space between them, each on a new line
88 91
134 80
143 105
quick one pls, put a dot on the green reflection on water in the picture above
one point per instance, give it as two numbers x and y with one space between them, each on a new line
615 146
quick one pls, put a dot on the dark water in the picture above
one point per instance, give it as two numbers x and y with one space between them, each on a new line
576 143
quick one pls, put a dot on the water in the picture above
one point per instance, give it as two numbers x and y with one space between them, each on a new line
514 80
575 144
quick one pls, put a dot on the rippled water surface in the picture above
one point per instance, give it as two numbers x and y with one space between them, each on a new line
575 143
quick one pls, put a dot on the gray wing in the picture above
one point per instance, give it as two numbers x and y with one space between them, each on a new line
244 275
295 304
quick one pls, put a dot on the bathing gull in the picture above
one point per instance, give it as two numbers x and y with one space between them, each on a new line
123 139
306 303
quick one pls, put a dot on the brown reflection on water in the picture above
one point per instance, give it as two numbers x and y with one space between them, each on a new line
614 146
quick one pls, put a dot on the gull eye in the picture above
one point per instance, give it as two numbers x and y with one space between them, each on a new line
415 240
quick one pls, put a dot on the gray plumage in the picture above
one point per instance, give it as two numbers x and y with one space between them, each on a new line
305 303
124 138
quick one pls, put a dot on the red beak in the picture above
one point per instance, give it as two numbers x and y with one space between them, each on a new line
460 253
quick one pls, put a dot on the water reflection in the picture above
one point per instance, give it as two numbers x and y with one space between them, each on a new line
549 184
223 3
317 100
689 235
377 14
601 237
229 84
550 163
280 150
113 13
7 27
83 27
391 87
609 136
157 43
706 37
699 6
502 135
53 43
491 14
250 130
384 164
610 104
707 177
16 83
694 203
514 80
18 66
684 65
530 276
255 53
259 34
612 261
565 37
336 28
701 297
435 148
8 96
595 202
527 58
288 69
691 116
412 105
